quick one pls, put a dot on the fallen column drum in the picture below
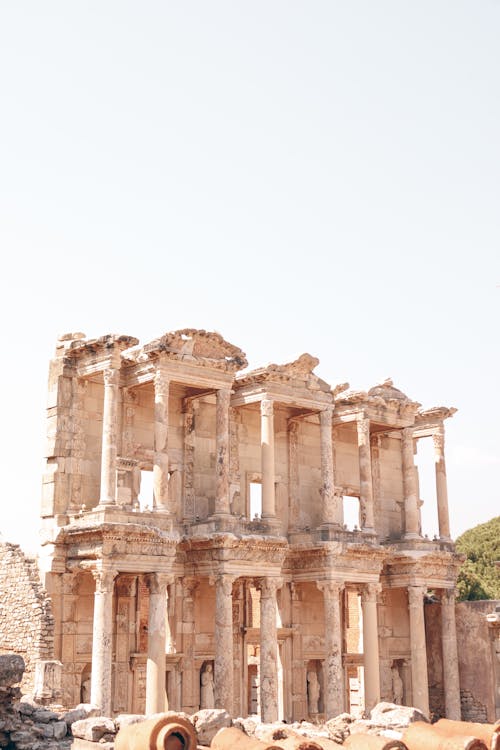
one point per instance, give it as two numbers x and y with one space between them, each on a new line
165 732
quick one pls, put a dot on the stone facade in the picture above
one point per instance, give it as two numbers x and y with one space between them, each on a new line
237 581
26 621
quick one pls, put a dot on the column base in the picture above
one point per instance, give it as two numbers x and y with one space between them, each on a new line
412 535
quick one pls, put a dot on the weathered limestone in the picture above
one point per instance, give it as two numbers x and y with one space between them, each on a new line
334 676
109 436
332 510
370 644
156 699
223 636
441 485
222 504
267 453
419 680
100 687
365 475
268 649
178 410
160 466
410 486
451 677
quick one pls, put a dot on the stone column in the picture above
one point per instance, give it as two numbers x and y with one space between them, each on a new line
222 506
451 677
441 485
156 699
419 678
365 476
267 458
293 474
187 630
333 669
109 437
223 638
160 466
409 485
268 649
102 640
370 644
332 509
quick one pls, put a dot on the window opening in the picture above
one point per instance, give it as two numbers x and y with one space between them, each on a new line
255 500
145 497
426 485
351 512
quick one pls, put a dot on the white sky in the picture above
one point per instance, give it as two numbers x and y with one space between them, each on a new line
301 176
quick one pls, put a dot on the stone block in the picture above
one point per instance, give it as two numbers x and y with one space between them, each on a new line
208 721
93 729
11 669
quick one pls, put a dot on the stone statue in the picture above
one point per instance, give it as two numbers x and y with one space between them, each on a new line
397 686
85 691
207 699
313 690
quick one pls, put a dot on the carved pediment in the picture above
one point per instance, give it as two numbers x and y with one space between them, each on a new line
198 346
298 371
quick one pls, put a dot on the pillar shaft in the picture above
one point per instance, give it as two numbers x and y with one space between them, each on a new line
370 645
365 476
451 677
412 526
267 458
293 473
441 485
268 650
333 669
109 437
222 446
223 637
332 509
156 698
102 641
189 690
160 467
419 678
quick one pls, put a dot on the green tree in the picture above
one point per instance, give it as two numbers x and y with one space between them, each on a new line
479 577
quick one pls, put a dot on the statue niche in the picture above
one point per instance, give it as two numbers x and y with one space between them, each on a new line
207 699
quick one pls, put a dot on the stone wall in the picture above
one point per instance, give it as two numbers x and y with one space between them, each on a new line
475 654
26 621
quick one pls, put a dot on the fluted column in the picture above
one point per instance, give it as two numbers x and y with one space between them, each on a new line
332 509
109 437
333 669
370 644
365 475
223 638
409 486
160 467
222 505
419 678
267 458
268 649
451 677
441 485
102 640
156 698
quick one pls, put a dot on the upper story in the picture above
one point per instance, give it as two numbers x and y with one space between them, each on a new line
177 434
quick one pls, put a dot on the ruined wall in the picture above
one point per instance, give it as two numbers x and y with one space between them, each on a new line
26 621
477 690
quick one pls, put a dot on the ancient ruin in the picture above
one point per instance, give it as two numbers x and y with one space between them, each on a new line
237 582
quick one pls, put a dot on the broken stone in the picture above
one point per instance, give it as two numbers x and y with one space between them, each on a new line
208 721
391 715
11 669
93 729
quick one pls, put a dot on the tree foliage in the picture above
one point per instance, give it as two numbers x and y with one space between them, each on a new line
479 577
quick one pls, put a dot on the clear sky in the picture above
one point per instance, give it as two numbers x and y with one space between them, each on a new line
312 176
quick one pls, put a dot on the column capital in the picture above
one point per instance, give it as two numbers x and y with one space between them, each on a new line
438 440
363 428
111 376
448 596
161 382
223 581
104 580
416 596
326 415
331 588
268 586
267 407
158 582
370 591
